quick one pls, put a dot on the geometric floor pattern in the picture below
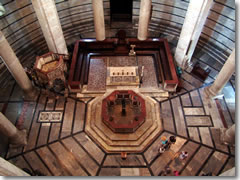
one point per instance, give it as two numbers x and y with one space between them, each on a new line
186 115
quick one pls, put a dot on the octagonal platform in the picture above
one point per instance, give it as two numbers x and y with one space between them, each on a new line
118 142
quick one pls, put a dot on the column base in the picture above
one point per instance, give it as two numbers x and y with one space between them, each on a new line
223 140
184 63
210 94
19 139
31 95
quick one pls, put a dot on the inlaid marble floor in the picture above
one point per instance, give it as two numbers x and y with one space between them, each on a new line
98 68
63 148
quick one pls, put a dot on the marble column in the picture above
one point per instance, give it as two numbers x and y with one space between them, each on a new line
12 63
227 136
223 77
193 24
99 23
8 169
15 136
144 18
49 21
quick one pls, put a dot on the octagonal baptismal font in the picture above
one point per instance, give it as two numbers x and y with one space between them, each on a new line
123 120
123 111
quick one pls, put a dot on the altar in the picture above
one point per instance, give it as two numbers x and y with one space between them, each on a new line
123 76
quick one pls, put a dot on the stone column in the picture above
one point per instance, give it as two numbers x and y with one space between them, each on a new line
144 18
8 169
227 136
223 77
16 137
230 172
193 24
49 21
15 68
99 19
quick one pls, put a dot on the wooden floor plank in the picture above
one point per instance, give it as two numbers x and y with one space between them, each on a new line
214 164
79 117
193 111
68 118
198 121
161 162
81 156
193 133
132 160
166 115
33 134
36 163
179 118
197 161
28 115
52 162
110 172
55 129
92 148
186 100
205 136
70 163
195 98
152 151
164 158
216 137
178 164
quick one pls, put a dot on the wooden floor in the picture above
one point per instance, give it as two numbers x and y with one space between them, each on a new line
63 148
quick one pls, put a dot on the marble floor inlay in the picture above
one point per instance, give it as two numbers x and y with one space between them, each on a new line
50 116
97 74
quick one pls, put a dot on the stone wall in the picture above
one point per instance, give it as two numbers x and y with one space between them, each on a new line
22 30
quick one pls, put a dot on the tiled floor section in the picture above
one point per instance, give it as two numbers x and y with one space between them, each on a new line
48 146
